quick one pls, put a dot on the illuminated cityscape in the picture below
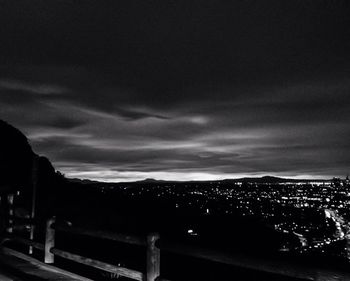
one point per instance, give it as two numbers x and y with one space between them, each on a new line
313 216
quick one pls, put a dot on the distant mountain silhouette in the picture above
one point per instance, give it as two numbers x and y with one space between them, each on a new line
150 180
266 179
83 181
271 179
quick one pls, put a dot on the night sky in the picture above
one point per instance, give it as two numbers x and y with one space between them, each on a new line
179 90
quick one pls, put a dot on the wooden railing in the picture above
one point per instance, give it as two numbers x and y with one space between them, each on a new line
50 250
154 246
152 261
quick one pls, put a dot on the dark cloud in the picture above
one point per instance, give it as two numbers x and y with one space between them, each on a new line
180 90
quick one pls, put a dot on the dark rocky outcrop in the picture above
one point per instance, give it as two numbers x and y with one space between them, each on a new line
16 158
21 168
19 165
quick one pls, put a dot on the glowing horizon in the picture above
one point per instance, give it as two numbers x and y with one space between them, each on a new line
115 177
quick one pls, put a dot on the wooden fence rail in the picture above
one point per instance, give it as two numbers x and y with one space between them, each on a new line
122 271
154 246
123 238
24 241
153 253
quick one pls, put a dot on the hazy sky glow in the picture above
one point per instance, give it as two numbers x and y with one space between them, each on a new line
180 90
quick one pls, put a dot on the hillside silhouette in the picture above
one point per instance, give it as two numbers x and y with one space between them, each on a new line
17 157
21 168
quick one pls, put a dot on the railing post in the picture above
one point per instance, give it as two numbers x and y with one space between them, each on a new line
153 257
10 212
49 241
34 185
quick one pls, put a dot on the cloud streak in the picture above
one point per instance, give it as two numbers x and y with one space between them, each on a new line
40 89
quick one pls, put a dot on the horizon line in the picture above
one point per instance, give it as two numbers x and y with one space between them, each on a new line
217 178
